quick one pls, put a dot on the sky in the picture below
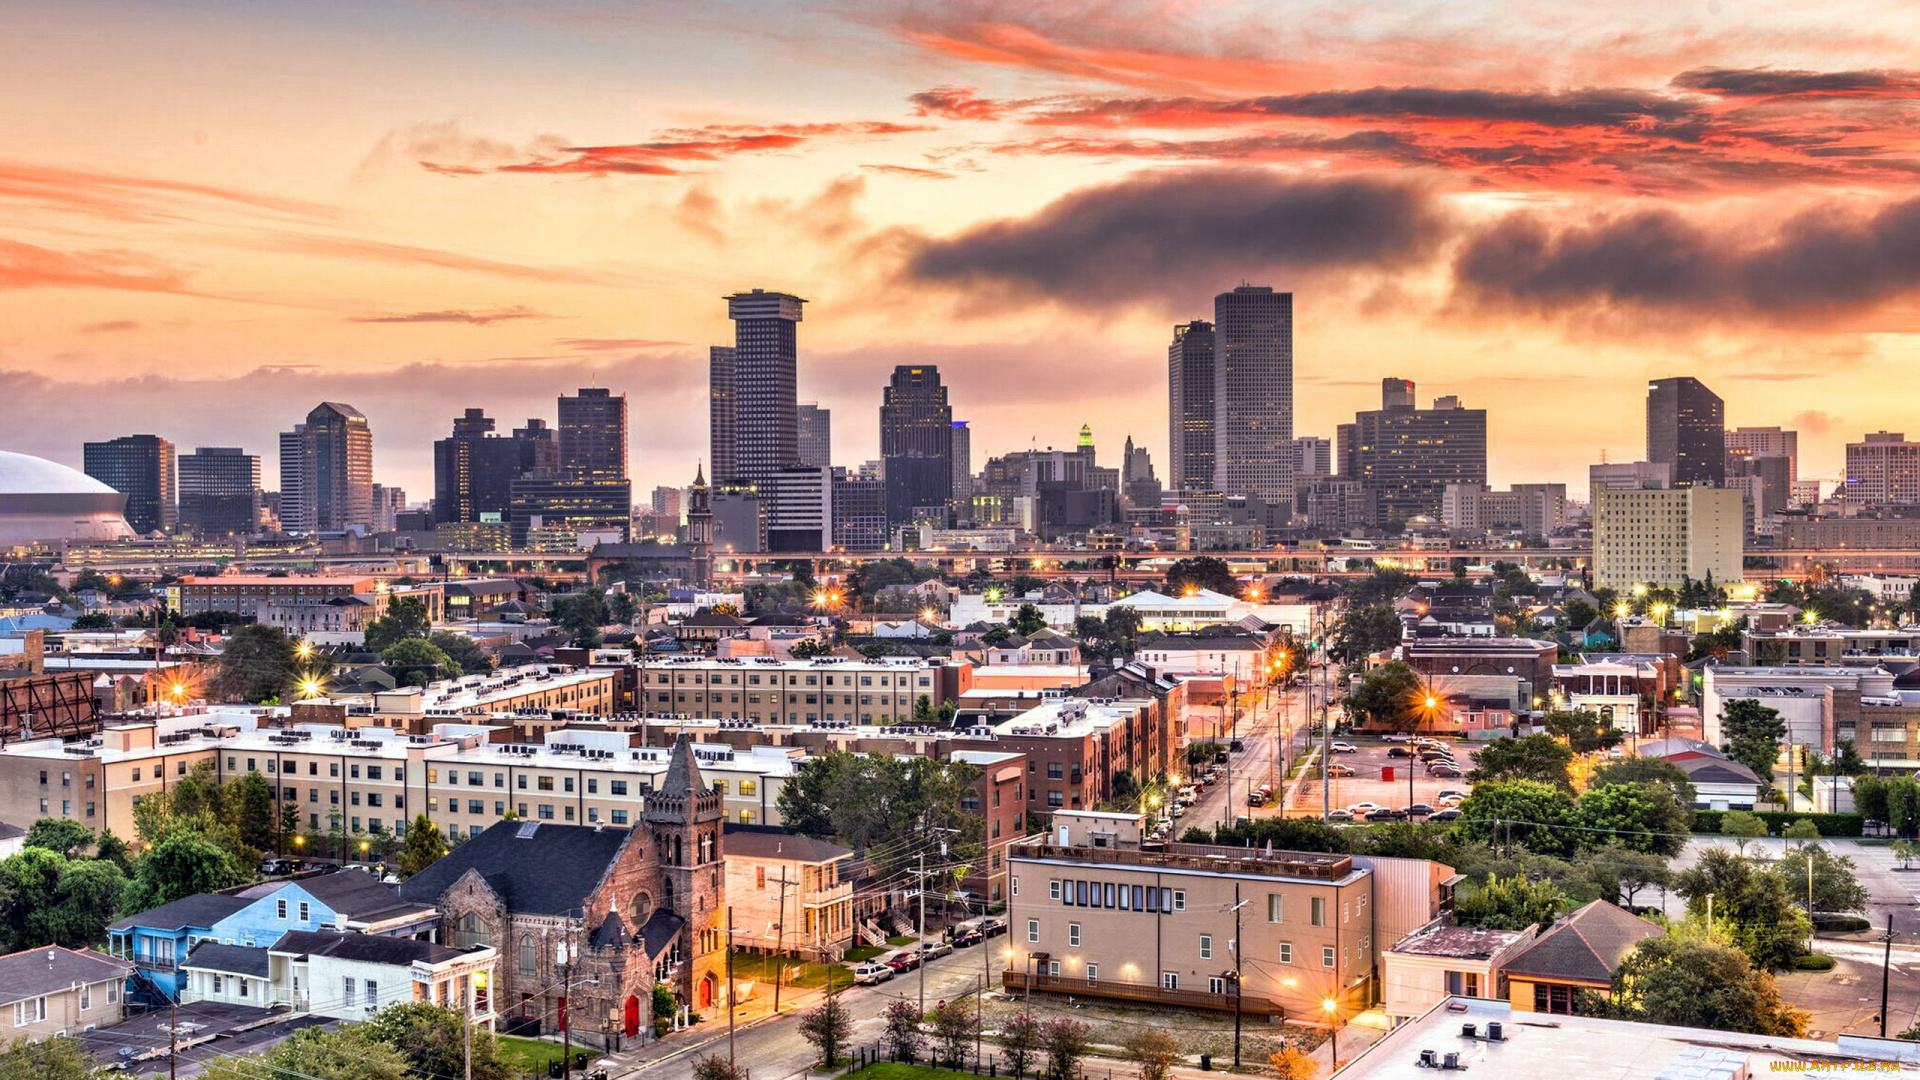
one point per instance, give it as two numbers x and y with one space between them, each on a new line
215 214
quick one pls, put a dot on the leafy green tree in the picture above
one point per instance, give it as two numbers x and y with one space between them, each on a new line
1584 730
953 1028
417 662
48 899
424 846
467 656
1021 1040
1753 735
1390 696
1201 572
110 848
434 1044
1835 886
808 648
881 803
1754 902
582 615
1696 982
1528 812
1539 758
1902 797
1512 903
58 1058
1620 873
182 862
352 1052
622 607
1028 620
1802 829
902 1033
1846 759
827 1027
1642 770
1403 840
1285 834
68 838
1363 631
252 797
405 617
1066 1042
256 664
1383 586
1644 817
1742 827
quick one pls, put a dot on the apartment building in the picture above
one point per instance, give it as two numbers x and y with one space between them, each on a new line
999 796
1076 746
825 689
1646 537
790 895
244 593
1095 913
532 688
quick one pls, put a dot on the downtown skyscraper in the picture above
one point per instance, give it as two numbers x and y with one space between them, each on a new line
813 426
762 378
220 492
1190 407
1686 428
141 467
588 490
1253 393
326 471
916 442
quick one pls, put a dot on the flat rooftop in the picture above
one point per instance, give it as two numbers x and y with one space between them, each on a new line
1537 1045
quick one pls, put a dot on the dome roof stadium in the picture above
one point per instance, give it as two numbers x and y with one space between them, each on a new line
44 500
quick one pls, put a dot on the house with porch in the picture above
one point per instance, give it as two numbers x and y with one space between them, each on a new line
1577 954
52 991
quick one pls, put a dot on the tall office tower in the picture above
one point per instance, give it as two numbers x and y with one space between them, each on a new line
859 513
388 502
336 469
1686 428
220 492
1882 470
1312 456
962 468
538 448
813 434
593 435
474 471
141 468
1405 457
1766 442
1253 393
1137 482
722 426
669 501
290 502
1396 394
765 366
1190 407
1346 453
916 441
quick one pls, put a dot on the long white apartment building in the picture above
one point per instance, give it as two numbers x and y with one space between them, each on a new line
1660 537
768 690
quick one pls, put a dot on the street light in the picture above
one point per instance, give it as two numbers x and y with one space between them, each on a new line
1333 1029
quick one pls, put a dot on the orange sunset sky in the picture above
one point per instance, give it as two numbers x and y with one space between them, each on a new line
215 214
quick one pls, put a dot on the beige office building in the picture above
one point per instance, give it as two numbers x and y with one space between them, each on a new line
1660 537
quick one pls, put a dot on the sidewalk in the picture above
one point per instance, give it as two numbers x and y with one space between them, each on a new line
712 1030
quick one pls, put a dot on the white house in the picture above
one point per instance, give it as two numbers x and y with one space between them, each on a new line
1441 960
343 975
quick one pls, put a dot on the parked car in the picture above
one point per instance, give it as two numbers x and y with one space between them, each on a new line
1220 757
1452 793
1385 814
1343 748
872 972
279 867
991 926
1364 808
1339 770
1339 815
1418 809
1237 746
967 938
1449 800
934 950
1399 751
904 960
1446 769
1396 736
1178 812
1451 813
1259 796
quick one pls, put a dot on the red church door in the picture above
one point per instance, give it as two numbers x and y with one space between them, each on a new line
632 1024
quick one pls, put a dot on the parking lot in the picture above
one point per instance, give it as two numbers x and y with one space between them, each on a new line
1371 763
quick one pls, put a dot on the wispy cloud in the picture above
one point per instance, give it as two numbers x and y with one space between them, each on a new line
471 318
381 251
615 344
111 326
127 197
671 152
28 266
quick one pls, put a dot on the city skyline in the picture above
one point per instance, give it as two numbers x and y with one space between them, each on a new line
954 189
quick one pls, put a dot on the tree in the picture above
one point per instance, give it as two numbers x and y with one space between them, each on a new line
1402 840
1753 735
347 1053
827 1027
256 665
1846 759
1696 982
1533 813
58 1058
1066 1042
52 900
1584 729
68 838
582 615
252 799
622 607
1906 852
1201 572
881 804
417 662
1644 817
1284 834
424 847
1364 631
467 656
1155 1050
1511 903
405 618
1621 872
1742 827
1028 620
1290 1062
1539 758
1835 888
1802 829
1870 798
1754 904
953 1027
1390 696
434 1042
808 648
1021 1040
1641 770
181 863
1902 795
110 848
902 1034
715 1067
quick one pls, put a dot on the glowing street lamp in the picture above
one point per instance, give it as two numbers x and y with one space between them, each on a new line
303 650
1333 1027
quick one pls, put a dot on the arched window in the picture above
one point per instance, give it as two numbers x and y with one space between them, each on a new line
469 930
642 910
529 954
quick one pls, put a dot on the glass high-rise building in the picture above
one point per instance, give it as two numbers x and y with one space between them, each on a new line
220 491
723 429
474 469
1686 428
1190 407
593 435
1253 393
336 471
765 373
916 441
141 468
813 427
1404 457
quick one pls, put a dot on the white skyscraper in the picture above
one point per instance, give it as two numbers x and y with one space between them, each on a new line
1253 393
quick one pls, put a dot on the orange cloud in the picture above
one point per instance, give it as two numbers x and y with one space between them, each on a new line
125 197
471 318
665 156
380 251
910 172
27 266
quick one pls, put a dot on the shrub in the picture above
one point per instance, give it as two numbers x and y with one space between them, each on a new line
1813 962
1840 923
1779 821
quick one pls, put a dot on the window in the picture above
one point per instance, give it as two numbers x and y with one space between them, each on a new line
1170 980
113 993
617 787
218 983
375 772
243 986
280 909
1073 934
1179 900
546 811
373 994
1553 999
546 783
1463 983
1053 967
1273 907
1286 952
1326 956
1033 930
569 783
1216 984
1053 890
306 911
1054 771
1206 946
748 787
346 990
1014 881
1317 913
619 817
593 785
1093 974
529 954
86 998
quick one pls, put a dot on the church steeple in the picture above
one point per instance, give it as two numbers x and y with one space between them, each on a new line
699 532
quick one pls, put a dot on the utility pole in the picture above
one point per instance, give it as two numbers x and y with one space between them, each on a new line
732 1010
566 1002
921 945
1886 965
466 1016
779 940
173 1026
1238 984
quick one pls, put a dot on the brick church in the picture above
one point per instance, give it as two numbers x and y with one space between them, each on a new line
588 919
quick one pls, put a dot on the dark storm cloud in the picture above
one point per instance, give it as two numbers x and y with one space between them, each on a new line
1815 264
1764 82
1569 108
1154 235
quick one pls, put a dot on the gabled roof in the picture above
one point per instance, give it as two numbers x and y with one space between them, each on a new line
661 930
1586 946
200 910
358 895
8 832
51 969
1706 770
229 959
364 948
535 868
773 842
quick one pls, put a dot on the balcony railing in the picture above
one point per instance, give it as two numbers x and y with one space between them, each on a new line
1016 983
1210 858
